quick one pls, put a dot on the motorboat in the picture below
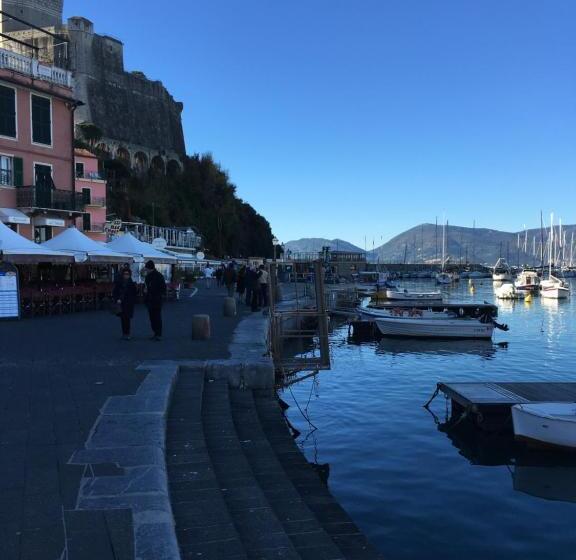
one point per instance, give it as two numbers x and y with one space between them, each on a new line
435 321
549 423
528 281
405 295
509 291
443 278
554 288
502 271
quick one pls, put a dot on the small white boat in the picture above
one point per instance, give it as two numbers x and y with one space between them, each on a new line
443 278
527 281
508 291
550 423
502 271
449 321
554 288
405 295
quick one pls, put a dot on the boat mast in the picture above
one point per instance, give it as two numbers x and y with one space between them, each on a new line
443 244
541 242
551 244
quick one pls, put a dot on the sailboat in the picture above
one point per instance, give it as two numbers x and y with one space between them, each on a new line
443 277
553 287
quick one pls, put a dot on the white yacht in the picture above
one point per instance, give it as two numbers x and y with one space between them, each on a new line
528 281
502 271
554 288
405 295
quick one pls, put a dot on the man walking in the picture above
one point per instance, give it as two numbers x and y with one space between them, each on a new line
208 276
230 279
155 291
263 283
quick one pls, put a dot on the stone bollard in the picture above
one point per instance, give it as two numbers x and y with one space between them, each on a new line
229 308
200 327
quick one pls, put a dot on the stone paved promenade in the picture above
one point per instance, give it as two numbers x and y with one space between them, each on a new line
55 375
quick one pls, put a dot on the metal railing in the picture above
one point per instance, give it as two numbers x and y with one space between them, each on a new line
52 199
99 201
31 67
299 329
98 228
91 175
183 238
6 177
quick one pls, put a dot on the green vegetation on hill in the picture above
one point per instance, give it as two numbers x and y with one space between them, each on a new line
201 196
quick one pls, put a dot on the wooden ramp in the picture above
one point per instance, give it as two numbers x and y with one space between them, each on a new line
489 403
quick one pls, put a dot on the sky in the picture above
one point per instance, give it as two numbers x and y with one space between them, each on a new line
362 118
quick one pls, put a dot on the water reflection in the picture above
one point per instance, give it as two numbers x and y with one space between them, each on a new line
484 348
543 473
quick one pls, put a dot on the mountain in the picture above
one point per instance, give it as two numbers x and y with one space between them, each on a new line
315 244
423 243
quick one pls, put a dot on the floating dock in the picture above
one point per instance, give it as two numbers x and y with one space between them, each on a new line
488 404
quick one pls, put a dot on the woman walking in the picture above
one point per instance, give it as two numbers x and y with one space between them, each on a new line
125 297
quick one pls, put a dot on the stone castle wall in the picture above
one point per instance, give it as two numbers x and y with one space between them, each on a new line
140 120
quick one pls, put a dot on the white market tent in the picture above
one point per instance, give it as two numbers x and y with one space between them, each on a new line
19 250
85 249
128 244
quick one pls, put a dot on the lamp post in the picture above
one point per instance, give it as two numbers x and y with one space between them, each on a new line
275 242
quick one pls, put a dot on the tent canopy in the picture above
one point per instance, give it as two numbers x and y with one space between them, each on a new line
18 249
85 249
128 244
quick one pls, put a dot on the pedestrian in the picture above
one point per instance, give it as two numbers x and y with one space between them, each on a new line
263 286
241 282
208 276
254 291
124 295
248 283
219 275
230 279
155 291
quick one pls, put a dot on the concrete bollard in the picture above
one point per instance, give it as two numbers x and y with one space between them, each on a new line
229 308
200 327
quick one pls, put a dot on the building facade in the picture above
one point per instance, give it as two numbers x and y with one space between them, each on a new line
37 194
92 187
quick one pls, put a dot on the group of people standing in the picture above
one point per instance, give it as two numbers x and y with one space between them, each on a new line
125 295
248 283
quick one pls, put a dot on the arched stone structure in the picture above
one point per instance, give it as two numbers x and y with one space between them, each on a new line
157 166
140 162
124 156
173 168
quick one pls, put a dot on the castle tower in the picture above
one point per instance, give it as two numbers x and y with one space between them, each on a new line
43 13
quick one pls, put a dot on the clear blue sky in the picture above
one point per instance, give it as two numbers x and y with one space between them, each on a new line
353 118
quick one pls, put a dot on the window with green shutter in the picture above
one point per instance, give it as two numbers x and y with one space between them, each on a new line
7 112
41 120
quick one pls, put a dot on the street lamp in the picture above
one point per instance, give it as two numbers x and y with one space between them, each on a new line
275 242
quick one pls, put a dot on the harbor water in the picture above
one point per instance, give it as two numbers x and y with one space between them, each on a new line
417 491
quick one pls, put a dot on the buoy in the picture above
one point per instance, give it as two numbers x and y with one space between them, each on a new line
470 282
528 298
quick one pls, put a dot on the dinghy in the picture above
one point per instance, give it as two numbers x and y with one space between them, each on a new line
405 295
508 291
548 423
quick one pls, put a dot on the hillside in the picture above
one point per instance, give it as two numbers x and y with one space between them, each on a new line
423 243
315 244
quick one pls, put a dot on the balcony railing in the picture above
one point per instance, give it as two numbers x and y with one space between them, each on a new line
99 201
91 175
99 228
31 67
50 199
183 238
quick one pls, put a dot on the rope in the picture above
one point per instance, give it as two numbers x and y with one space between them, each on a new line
432 397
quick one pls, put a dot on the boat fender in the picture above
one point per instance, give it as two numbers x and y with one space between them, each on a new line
461 312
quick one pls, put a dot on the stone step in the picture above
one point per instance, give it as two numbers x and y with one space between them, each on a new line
204 526
307 535
344 533
258 526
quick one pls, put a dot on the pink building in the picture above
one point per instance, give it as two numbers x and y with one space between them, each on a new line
37 173
92 188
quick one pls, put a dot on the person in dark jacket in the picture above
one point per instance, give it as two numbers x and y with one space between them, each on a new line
241 282
248 282
155 292
230 279
124 295
255 291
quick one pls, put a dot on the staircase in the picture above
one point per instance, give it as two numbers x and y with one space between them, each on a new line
240 488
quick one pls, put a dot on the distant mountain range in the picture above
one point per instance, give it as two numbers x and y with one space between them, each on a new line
315 244
423 244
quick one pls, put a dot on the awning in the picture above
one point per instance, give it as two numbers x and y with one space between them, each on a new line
13 216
